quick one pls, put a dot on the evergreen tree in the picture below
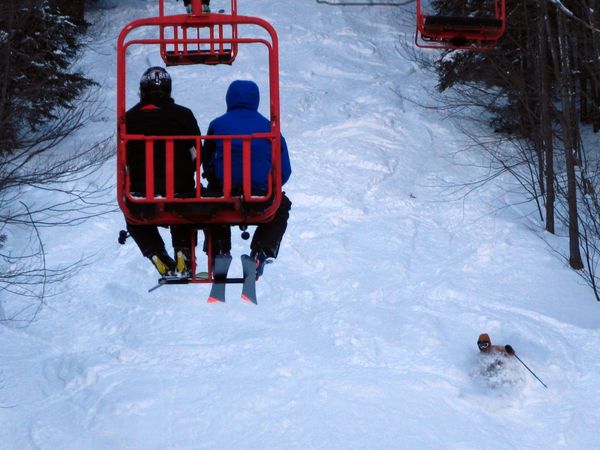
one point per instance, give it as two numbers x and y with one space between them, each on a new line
42 102
73 8
37 46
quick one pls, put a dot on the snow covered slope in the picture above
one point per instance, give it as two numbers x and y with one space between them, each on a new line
364 337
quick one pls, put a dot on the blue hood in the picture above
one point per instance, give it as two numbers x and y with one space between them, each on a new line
242 94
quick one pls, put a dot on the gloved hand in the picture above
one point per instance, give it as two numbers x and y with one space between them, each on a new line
509 349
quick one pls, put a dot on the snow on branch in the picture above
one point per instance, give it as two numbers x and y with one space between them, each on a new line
567 12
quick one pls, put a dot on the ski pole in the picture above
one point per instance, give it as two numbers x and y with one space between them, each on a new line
511 352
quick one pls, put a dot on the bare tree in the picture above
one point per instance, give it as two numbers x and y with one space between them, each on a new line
562 57
546 140
546 72
43 105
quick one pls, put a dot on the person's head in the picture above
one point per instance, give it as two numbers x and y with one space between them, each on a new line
242 94
484 343
155 84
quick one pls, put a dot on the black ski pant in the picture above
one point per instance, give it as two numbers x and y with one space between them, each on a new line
204 2
267 236
150 242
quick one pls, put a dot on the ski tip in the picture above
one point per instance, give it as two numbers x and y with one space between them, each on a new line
248 299
214 300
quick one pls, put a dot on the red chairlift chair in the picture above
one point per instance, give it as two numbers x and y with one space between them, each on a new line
457 32
197 38
200 209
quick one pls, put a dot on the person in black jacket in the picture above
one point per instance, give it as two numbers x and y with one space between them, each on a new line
157 114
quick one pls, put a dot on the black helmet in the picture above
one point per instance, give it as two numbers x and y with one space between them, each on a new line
155 81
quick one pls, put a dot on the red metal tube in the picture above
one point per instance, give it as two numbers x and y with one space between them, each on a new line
149 169
170 170
198 148
227 168
247 168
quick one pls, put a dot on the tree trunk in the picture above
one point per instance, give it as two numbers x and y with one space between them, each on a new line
545 118
572 141
560 50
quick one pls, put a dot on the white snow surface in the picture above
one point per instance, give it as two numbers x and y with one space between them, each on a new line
366 328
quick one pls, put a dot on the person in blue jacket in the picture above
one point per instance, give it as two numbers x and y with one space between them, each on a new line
242 117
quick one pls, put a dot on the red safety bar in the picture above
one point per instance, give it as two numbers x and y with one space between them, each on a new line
200 207
457 32
202 41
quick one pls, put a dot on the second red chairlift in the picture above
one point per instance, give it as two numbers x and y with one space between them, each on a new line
462 32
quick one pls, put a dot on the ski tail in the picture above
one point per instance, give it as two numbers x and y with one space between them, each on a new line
220 269
249 286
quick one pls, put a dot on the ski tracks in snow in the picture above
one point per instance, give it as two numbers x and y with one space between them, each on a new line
365 332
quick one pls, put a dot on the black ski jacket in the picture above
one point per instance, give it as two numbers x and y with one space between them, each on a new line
161 117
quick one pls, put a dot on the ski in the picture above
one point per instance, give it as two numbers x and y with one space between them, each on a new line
249 286
155 287
220 269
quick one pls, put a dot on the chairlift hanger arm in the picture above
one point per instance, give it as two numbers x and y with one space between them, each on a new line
330 3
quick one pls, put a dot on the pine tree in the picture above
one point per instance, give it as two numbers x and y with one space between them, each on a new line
73 8
42 102
37 46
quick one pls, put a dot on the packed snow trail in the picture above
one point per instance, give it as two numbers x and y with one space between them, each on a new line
365 332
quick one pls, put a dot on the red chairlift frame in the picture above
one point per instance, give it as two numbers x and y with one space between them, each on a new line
460 33
200 210
184 52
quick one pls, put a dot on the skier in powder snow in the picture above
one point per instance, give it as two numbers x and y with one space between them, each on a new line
496 353
157 114
242 117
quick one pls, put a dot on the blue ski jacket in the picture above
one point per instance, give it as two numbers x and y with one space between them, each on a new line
242 117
